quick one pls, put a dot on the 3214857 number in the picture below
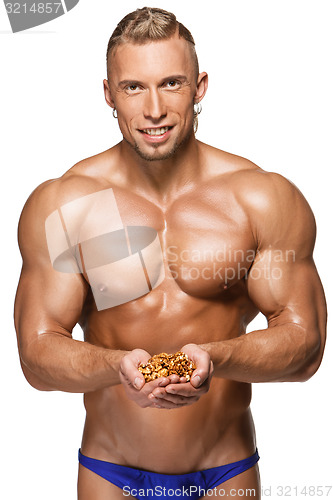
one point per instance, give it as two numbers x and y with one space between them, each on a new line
35 8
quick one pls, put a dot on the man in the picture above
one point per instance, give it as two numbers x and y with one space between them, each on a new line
161 244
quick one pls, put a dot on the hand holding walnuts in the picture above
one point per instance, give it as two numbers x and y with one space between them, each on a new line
176 395
133 381
173 391
163 365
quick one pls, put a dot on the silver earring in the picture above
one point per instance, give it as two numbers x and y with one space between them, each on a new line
114 112
197 108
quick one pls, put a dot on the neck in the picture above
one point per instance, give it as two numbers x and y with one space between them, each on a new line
164 179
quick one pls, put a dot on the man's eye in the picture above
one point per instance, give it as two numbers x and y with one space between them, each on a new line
172 83
132 88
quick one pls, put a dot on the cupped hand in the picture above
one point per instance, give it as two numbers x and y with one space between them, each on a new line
177 395
133 381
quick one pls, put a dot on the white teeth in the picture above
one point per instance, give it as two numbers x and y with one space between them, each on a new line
156 131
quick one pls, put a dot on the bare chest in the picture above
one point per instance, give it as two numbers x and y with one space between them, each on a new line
127 247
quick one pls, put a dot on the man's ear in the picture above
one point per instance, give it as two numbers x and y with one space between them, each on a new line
202 85
107 94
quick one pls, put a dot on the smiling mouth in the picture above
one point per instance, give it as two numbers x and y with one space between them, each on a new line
155 131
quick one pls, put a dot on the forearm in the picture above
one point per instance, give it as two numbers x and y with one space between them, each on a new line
64 364
278 354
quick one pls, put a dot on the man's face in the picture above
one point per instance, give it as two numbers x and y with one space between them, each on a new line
152 87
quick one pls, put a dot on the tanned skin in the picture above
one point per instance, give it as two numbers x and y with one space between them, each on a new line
197 198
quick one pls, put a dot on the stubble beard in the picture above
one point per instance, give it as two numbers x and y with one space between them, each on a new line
162 156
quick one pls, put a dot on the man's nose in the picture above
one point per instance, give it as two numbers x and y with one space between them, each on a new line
155 108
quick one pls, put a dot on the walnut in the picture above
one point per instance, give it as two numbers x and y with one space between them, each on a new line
163 365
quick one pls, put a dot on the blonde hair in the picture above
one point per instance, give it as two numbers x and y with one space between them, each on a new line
149 24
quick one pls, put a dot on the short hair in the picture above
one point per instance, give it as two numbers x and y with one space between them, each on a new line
150 24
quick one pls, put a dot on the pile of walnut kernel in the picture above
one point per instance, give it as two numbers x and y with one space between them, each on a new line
163 365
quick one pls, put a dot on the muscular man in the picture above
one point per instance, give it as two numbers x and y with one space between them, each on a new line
159 244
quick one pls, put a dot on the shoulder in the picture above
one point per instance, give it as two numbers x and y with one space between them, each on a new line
278 212
254 186
270 194
276 209
260 191
82 179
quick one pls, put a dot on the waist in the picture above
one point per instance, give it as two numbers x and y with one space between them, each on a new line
216 429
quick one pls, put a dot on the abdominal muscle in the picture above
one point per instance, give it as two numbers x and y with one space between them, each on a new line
205 434
216 430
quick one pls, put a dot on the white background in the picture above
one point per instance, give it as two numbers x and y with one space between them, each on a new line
270 100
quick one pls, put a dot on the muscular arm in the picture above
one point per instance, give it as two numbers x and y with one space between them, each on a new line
48 305
284 285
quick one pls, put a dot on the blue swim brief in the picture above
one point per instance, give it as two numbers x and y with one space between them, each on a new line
144 484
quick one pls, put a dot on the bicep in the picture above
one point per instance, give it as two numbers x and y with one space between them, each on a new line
283 280
287 290
294 301
47 301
